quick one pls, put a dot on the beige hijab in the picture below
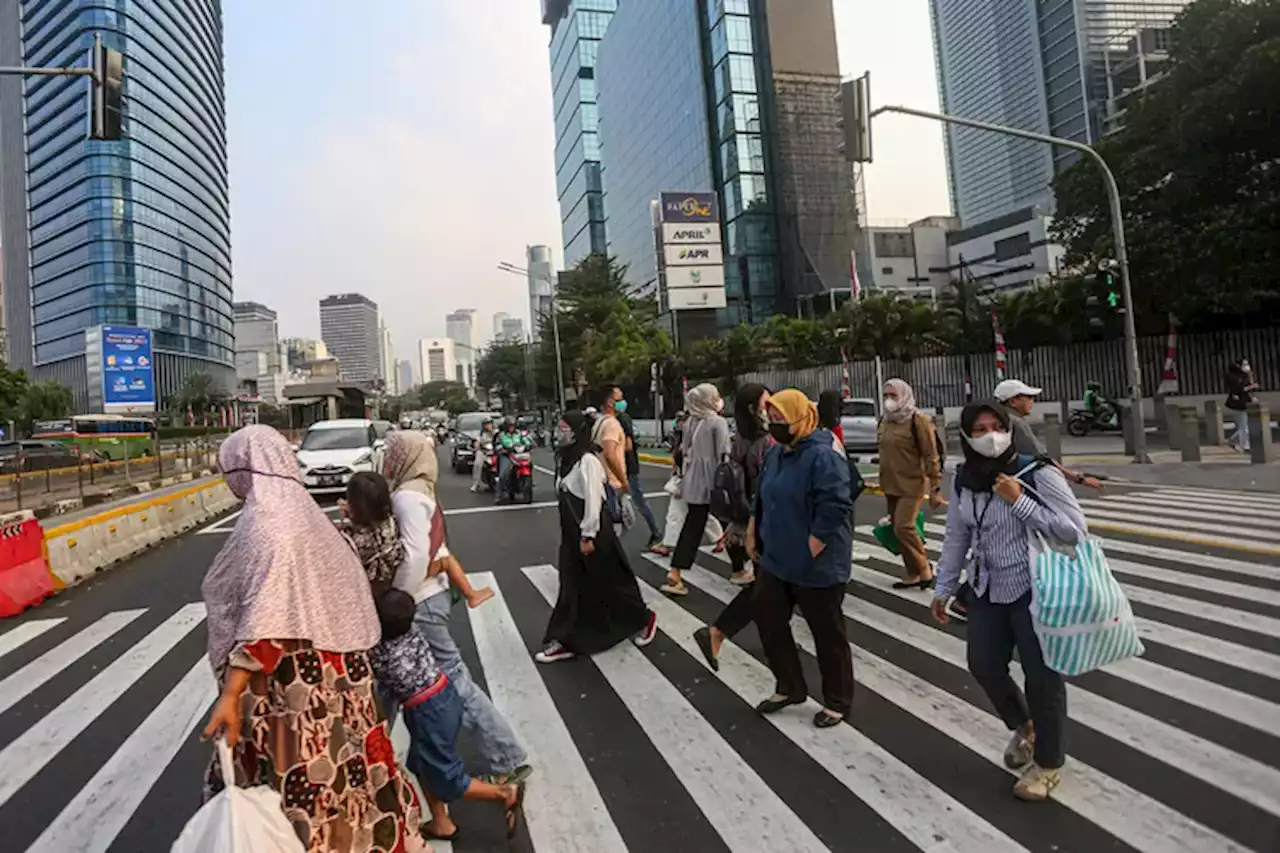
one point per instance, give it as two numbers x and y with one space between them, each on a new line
410 462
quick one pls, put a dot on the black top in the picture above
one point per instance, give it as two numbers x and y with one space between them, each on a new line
629 430
1238 395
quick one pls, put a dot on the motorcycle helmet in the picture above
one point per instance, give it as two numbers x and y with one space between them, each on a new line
1093 386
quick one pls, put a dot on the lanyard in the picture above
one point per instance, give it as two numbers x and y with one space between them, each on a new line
976 547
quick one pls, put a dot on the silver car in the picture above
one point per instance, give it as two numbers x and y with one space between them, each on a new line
858 420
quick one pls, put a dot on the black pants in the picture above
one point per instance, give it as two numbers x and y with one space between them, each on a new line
773 602
995 630
737 614
737 557
695 523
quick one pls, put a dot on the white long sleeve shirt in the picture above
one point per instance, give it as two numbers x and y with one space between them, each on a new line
413 511
586 481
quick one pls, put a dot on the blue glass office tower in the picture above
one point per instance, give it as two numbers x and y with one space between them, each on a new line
129 233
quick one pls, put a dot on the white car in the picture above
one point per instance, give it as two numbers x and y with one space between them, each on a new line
332 451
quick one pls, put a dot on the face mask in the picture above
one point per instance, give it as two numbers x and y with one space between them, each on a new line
1244 365
992 444
620 406
781 432
892 404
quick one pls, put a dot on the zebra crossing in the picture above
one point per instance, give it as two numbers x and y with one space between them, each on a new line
647 750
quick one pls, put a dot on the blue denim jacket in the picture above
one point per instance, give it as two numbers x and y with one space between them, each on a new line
803 492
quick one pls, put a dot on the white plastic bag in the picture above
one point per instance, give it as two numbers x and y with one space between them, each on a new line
238 820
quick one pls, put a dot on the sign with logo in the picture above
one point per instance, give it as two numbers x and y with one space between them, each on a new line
674 233
693 298
690 207
681 277
685 256
128 374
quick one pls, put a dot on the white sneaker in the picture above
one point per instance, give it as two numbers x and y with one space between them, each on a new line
645 637
553 653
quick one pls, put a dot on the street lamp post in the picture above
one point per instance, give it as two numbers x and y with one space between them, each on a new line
555 324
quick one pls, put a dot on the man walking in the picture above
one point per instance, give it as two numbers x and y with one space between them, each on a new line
1018 398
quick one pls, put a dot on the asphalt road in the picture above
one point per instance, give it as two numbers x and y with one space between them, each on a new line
101 691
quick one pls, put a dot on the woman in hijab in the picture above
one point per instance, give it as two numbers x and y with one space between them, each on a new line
599 603
801 535
410 466
290 622
910 472
705 443
999 497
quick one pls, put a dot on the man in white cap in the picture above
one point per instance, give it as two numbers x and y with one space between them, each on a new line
1018 398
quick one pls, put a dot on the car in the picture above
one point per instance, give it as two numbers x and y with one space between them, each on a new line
37 456
332 451
466 432
859 422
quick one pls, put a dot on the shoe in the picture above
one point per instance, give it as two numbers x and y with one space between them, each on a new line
674 588
823 720
773 706
654 542
475 488
1021 749
552 653
645 637
743 578
702 637
1036 784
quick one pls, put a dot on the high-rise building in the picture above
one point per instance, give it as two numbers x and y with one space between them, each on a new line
128 233
436 361
460 327
387 362
576 29
349 327
499 318
738 98
512 330
1039 67
300 352
542 284
404 377
260 357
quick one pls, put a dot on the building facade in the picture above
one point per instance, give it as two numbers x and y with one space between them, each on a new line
542 283
436 362
460 327
576 29
1009 252
300 352
261 359
512 330
349 328
404 377
387 360
134 232
909 259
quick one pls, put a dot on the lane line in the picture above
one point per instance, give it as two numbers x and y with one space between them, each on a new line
1146 503
1192 520
31 677
519 693
25 633
37 746
744 810
95 816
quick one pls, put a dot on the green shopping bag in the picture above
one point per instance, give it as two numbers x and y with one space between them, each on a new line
883 531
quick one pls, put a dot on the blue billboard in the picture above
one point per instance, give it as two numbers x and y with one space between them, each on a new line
128 374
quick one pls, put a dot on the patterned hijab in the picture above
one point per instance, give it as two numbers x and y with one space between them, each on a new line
285 573
906 402
409 462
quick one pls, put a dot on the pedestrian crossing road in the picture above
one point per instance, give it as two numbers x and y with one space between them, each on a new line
648 750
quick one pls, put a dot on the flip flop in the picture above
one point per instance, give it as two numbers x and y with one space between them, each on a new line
514 812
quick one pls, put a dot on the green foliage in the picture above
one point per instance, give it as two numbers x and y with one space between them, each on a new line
200 393
501 370
13 389
453 397
46 401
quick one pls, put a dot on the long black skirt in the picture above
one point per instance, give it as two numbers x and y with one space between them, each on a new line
599 604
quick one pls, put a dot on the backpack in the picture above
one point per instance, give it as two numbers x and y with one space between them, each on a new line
729 492
937 441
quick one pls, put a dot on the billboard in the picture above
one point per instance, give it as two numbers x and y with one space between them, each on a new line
682 277
694 255
674 232
689 207
128 373
691 298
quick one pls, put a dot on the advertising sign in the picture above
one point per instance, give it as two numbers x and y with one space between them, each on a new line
690 207
694 255
682 277
674 232
128 375
692 298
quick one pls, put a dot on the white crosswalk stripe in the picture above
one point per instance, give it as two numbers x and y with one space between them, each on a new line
1177 751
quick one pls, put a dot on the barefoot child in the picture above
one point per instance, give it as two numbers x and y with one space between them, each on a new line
404 667
369 523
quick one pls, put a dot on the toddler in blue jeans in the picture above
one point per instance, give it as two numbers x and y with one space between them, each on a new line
405 670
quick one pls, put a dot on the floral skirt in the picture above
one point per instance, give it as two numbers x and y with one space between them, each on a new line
313 731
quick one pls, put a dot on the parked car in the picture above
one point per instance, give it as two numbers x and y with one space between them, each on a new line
37 456
858 420
332 451
466 435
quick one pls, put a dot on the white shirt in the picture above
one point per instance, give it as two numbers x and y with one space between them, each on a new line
586 481
413 511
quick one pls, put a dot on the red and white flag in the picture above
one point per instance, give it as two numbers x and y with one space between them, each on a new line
684 386
1002 352
854 284
1169 376
191 416
846 384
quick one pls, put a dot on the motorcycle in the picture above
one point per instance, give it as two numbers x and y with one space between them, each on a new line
489 473
540 436
1105 418
519 483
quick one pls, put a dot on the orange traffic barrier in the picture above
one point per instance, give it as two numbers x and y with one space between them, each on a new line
25 580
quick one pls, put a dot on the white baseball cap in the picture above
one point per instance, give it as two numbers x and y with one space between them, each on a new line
1010 388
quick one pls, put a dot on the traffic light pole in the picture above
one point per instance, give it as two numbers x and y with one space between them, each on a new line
105 68
1122 254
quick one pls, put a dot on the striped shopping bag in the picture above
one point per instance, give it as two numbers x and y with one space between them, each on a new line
1080 613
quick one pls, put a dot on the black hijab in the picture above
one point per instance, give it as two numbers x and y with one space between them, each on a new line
581 425
829 409
978 474
746 411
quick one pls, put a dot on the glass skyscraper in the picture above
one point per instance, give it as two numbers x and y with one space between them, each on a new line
133 232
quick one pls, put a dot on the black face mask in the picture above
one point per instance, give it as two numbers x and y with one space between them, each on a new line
781 433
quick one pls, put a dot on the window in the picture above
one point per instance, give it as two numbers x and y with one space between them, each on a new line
886 270
894 244
1013 247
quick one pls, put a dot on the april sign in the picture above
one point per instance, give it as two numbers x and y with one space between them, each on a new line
128 375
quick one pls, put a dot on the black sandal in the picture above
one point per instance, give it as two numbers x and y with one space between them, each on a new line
514 811
773 706
823 720
429 833
702 637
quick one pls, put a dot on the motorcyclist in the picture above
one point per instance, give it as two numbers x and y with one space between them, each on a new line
511 440
1099 405
482 459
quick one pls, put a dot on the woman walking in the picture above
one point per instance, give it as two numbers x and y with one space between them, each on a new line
990 518
829 414
291 622
706 442
1240 388
802 536
599 603
677 509
910 472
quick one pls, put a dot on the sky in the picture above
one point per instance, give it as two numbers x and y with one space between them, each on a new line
404 154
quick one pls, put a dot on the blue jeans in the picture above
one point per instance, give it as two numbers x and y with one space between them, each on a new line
433 755
504 468
637 497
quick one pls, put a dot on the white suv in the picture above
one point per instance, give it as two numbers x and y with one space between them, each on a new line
332 451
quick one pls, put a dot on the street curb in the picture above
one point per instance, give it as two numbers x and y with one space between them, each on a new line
70 505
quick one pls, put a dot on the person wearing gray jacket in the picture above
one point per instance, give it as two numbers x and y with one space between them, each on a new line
706 442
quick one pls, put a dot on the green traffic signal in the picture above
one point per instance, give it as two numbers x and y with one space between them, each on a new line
1113 299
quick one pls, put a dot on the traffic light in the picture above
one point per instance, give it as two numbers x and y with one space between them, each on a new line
855 119
106 93
1109 288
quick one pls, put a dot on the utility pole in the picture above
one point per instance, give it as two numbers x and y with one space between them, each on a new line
106 93
555 324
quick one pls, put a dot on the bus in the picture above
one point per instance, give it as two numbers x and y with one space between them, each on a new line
110 436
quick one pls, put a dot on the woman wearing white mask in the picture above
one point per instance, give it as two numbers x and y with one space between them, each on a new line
990 516
910 473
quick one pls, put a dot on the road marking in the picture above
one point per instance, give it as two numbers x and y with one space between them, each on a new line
1256 498
92 820
1130 815
27 754
1186 519
1207 561
872 774
519 693
26 632
741 807
28 679
1158 502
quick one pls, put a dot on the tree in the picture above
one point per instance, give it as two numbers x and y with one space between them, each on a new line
199 393
13 389
502 370
46 401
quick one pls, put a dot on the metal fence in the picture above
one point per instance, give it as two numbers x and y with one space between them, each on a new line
1061 371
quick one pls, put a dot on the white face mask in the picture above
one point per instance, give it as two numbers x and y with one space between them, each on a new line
892 404
991 444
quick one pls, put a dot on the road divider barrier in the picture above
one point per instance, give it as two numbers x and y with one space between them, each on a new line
24 573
